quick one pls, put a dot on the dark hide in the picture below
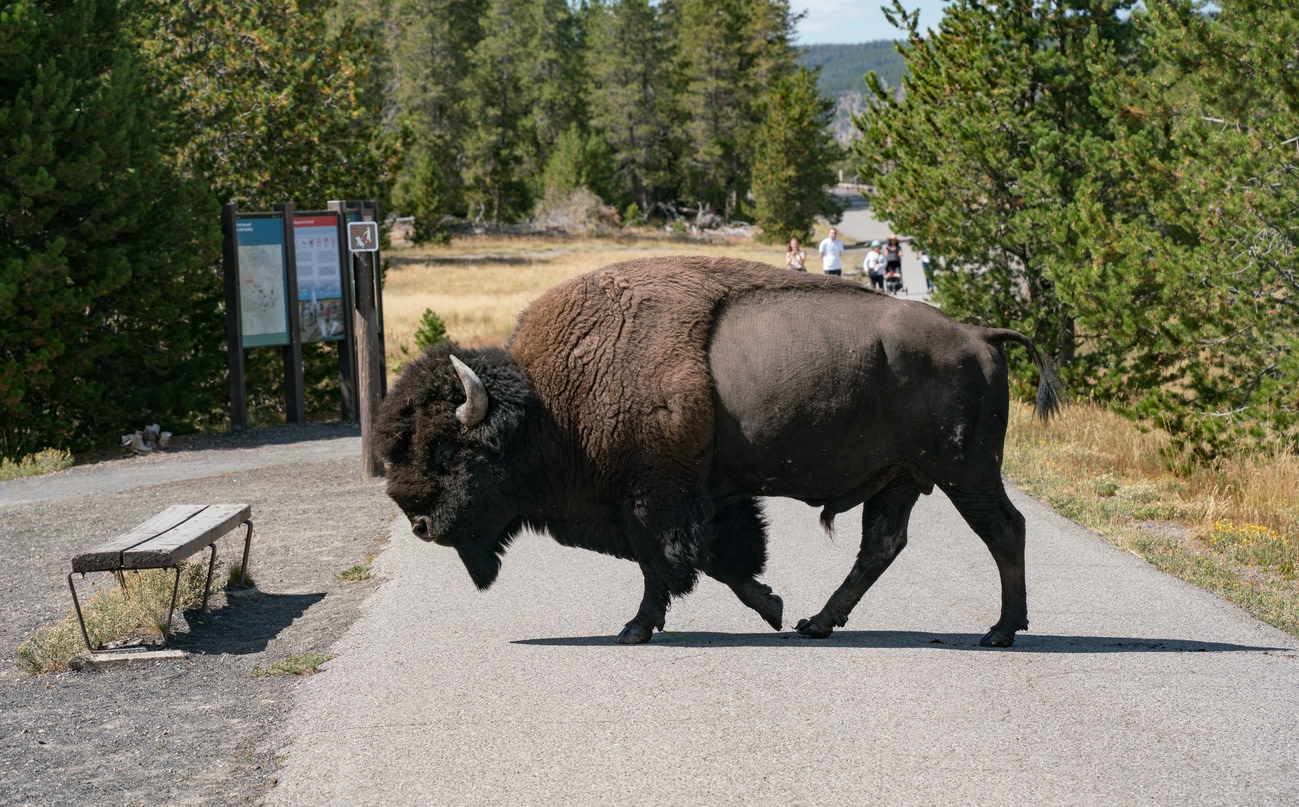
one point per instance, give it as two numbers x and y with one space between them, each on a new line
450 476
641 409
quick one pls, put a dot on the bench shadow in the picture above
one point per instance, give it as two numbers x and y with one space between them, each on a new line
914 640
245 625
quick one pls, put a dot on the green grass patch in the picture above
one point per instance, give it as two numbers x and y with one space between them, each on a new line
358 573
1254 545
292 664
355 574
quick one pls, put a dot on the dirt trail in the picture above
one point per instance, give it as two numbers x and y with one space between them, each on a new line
199 730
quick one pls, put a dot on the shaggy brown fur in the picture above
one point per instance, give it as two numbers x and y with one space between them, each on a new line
654 316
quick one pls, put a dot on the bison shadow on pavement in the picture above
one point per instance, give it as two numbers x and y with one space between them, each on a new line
902 640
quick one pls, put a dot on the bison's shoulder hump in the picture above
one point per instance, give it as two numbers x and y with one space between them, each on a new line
620 354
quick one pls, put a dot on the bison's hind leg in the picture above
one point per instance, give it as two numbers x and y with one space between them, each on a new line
884 534
738 554
990 513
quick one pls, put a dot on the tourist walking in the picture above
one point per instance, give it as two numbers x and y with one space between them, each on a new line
831 251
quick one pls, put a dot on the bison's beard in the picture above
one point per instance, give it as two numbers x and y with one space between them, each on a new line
482 559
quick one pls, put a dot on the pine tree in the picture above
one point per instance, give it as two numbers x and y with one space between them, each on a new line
793 165
428 46
980 157
729 53
1187 281
631 98
108 306
579 160
521 78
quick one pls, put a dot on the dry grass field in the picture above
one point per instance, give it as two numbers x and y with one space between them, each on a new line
479 285
1233 529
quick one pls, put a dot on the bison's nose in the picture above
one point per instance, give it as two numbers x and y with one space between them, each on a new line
422 526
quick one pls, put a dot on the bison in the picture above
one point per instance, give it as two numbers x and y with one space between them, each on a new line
642 409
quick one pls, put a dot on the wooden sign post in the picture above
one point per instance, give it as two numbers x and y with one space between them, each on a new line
363 244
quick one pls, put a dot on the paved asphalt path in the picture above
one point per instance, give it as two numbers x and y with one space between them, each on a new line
168 467
1131 688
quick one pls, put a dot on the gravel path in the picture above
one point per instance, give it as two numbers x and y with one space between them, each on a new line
198 730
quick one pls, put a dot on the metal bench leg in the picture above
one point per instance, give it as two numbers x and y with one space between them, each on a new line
175 590
76 603
211 564
248 542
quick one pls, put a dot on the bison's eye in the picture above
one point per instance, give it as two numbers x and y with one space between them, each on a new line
445 456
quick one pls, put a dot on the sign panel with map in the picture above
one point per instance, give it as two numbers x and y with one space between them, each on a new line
263 285
320 277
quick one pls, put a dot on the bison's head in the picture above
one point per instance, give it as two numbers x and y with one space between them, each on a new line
451 430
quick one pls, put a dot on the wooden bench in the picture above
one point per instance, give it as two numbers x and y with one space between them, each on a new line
163 542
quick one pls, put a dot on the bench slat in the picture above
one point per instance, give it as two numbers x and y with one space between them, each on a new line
164 540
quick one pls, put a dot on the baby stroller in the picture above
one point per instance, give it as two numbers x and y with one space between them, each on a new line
893 280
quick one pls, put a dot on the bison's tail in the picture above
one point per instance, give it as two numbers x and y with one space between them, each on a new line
1050 392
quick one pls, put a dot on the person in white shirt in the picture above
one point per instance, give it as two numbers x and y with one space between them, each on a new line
831 250
928 269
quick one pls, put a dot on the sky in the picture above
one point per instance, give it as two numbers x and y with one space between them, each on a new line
854 21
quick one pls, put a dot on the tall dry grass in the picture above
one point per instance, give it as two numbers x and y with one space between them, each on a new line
1232 528
1091 448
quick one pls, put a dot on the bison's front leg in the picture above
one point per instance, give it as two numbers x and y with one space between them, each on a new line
666 537
738 554
884 534
652 614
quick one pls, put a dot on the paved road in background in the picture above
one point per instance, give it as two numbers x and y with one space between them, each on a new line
164 467
1131 688
859 227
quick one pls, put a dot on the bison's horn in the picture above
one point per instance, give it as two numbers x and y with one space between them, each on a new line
474 409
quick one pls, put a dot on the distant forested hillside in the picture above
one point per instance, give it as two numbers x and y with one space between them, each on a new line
843 71
843 66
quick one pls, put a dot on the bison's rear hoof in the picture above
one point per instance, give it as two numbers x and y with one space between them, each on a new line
813 629
995 638
773 610
635 634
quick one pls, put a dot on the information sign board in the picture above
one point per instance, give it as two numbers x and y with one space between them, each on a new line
320 277
263 283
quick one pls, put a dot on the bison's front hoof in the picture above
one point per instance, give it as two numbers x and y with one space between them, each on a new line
773 611
813 629
635 634
996 638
